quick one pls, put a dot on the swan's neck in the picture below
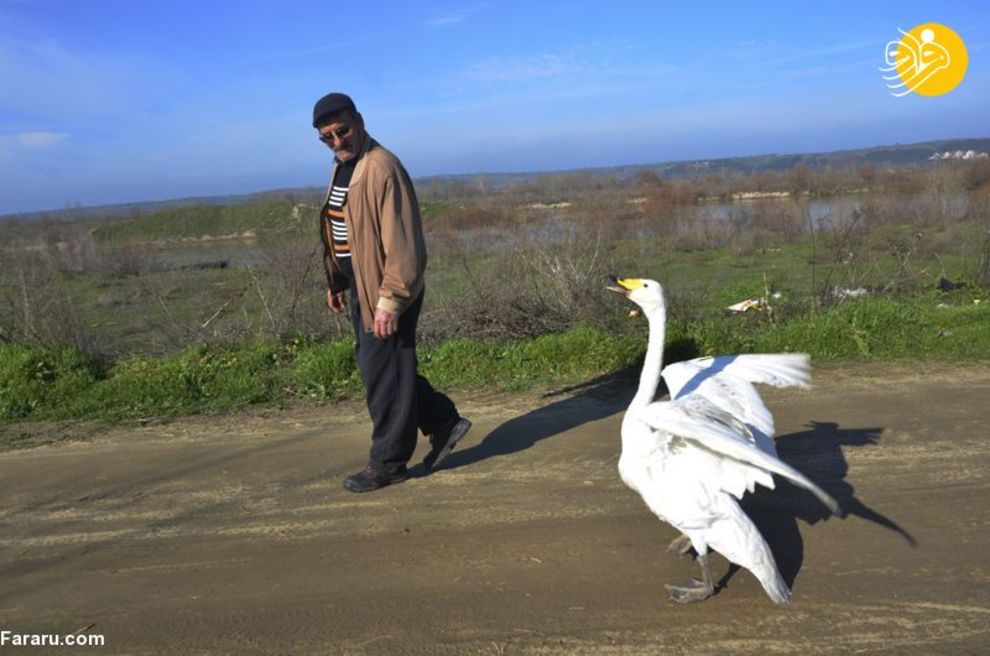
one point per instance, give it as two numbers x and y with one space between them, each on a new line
649 378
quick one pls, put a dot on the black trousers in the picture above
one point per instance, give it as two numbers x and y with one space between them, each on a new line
400 401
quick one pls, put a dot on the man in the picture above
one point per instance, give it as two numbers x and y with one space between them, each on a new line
375 255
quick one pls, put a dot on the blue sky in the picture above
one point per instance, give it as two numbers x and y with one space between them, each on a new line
105 101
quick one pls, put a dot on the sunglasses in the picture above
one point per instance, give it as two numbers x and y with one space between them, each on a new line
340 133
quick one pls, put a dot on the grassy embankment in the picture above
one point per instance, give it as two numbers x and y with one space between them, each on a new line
37 383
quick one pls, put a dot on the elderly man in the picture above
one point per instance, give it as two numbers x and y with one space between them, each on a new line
375 256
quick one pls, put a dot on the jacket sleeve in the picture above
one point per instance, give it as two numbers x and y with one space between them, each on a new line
402 242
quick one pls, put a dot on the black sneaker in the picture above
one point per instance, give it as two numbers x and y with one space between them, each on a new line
369 480
443 442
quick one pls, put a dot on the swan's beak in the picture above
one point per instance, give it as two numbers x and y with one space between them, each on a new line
625 285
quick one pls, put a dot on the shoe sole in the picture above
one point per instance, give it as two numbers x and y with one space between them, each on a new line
460 430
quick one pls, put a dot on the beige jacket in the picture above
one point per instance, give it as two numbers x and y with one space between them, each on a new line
388 252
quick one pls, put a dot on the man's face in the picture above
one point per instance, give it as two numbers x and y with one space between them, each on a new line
344 134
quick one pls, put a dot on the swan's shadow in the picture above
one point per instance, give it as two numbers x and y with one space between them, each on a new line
817 452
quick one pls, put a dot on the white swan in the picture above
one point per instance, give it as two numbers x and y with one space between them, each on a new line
690 458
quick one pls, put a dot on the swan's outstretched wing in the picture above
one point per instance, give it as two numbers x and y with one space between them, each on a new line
727 381
698 420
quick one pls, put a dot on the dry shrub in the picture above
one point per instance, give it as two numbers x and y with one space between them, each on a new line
903 181
800 178
977 175
876 209
283 296
120 260
457 229
609 217
982 275
74 249
36 307
979 212
527 292
468 218
938 206
778 219
292 288
661 197
694 230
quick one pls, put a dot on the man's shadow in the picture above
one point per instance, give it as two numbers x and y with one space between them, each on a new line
816 452
596 399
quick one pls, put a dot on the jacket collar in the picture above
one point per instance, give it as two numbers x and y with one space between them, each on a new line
369 144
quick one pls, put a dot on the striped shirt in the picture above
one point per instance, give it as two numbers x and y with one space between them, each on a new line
336 229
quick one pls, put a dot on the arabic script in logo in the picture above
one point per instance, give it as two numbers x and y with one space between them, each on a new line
929 60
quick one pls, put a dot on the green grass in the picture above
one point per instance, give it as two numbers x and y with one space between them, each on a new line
198 379
40 383
64 384
575 354
35 382
886 329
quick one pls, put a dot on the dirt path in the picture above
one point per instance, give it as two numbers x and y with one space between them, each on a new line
233 536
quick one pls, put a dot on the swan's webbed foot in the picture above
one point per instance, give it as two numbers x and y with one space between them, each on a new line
695 591
680 545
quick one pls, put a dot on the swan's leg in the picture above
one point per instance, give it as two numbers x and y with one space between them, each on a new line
697 590
680 545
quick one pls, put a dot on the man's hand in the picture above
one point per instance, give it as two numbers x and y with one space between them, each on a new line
386 323
337 302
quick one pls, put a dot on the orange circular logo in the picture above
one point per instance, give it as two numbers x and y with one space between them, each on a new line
930 60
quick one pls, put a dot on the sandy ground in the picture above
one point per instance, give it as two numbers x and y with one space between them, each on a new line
232 535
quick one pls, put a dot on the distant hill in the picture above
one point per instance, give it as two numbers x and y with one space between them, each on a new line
299 194
897 155
918 154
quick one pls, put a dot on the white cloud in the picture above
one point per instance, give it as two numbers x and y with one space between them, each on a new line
14 144
444 20
499 70
455 17
40 139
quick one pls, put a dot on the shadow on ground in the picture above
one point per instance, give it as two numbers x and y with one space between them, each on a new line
817 452
596 399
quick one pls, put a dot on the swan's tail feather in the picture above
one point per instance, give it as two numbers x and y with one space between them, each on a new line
736 537
776 588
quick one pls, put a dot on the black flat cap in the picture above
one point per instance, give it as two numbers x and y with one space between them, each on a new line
330 104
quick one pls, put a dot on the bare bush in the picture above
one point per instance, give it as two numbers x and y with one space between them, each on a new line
285 295
977 175
117 261
470 218
534 291
37 307
292 288
778 220
979 213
